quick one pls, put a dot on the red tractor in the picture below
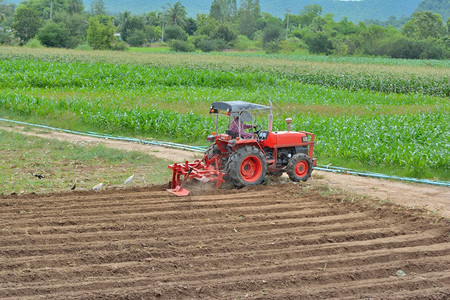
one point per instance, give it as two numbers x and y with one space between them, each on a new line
247 161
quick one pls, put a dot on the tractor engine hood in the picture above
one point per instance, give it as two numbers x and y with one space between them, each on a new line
281 139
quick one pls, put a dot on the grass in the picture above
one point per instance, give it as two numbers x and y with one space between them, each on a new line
64 164
149 49
167 95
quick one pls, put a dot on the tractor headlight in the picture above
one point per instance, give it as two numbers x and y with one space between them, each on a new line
304 139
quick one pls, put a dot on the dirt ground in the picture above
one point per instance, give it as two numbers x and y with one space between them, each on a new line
320 240
436 199
285 241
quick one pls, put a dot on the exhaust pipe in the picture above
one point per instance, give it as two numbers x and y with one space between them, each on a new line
270 117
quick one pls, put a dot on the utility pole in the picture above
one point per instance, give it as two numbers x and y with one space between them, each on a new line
51 10
287 23
163 24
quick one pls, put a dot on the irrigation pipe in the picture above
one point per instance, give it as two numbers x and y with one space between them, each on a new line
112 137
202 149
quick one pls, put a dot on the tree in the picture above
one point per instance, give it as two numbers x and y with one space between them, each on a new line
54 35
271 38
76 26
6 19
137 38
2 15
100 34
48 8
308 14
123 18
206 24
318 43
191 26
152 32
175 32
249 13
6 13
346 27
74 6
272 33
442 7
177 14
153 18
26 23
98 7
423 25
130 25
223 10
223 32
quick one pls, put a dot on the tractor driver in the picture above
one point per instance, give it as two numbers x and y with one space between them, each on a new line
236 124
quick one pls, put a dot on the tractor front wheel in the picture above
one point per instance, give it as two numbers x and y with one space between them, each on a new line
247 166
299 167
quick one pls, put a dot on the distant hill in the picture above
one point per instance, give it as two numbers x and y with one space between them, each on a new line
355 10
441 7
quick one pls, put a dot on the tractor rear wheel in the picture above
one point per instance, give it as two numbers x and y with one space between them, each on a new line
299 167
247 166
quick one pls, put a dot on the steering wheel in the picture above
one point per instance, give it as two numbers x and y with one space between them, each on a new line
256 129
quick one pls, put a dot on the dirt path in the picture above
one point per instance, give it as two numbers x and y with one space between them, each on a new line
433 198
265 242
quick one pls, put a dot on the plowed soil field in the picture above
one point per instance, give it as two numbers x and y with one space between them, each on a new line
283 241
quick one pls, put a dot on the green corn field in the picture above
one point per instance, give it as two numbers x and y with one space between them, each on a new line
378 114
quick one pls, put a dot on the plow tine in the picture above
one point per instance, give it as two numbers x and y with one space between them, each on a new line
203 172
178 190
203 179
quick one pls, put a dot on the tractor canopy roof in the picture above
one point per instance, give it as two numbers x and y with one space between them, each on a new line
235 107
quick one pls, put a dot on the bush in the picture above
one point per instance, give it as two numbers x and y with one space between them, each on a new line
120 46
196 39
175 32
433 49
292 44
34 43
318 43
84 47
272 33
181 46
54 35
209 45
137 38
224 33
242 43
272 47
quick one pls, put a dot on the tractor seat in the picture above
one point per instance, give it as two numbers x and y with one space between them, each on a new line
231 133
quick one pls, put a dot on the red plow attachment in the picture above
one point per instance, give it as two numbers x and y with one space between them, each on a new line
197 170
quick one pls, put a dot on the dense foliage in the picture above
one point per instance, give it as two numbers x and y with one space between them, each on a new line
62 23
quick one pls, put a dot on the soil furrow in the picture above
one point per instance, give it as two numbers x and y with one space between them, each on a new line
348 278
268 242
142 264
189 231
338 220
